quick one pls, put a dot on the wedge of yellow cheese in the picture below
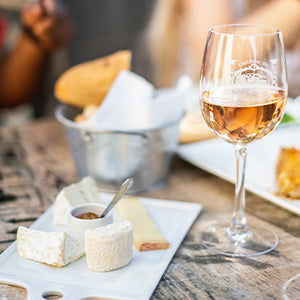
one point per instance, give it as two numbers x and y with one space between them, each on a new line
146 235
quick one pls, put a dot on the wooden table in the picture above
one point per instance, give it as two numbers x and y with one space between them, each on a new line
35 163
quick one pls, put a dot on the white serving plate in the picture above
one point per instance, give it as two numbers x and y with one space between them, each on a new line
135 281
217 157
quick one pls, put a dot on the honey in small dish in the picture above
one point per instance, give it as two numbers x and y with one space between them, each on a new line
87 216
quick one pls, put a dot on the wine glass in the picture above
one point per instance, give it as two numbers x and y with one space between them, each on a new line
291 289
243 92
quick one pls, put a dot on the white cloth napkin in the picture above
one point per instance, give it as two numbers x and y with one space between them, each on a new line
133 104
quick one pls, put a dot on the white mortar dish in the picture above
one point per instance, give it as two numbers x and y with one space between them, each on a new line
77 226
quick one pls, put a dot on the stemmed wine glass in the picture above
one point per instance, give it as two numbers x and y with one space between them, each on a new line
243 92
291 288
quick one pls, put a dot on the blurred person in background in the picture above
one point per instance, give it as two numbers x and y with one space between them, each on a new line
178 31
101 27
46 27
106 26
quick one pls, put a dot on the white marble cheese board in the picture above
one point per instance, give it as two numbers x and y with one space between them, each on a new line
135 281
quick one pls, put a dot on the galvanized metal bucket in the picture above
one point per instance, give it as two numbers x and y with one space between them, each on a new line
112 156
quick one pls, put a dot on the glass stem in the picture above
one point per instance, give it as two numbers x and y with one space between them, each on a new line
238 224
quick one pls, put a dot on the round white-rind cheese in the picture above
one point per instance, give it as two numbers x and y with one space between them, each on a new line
109 247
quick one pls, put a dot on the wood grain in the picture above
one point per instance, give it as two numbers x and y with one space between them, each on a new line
35 163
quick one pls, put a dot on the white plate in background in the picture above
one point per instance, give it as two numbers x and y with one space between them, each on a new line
217 157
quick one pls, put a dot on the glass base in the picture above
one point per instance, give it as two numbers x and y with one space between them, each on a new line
221 240
291 290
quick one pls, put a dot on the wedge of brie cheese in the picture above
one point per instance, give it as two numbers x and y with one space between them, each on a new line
109 247
85 191
53 248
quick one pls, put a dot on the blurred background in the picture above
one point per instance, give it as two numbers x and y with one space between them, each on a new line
166 37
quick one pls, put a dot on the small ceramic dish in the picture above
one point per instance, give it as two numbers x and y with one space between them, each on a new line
77 226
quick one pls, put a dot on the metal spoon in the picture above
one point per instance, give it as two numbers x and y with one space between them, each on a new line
121 192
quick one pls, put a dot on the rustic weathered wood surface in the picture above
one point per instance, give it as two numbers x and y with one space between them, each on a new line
35 163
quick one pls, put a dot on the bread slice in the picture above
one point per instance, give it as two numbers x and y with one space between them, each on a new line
88 83
86 113
193 128
288 172
146 235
